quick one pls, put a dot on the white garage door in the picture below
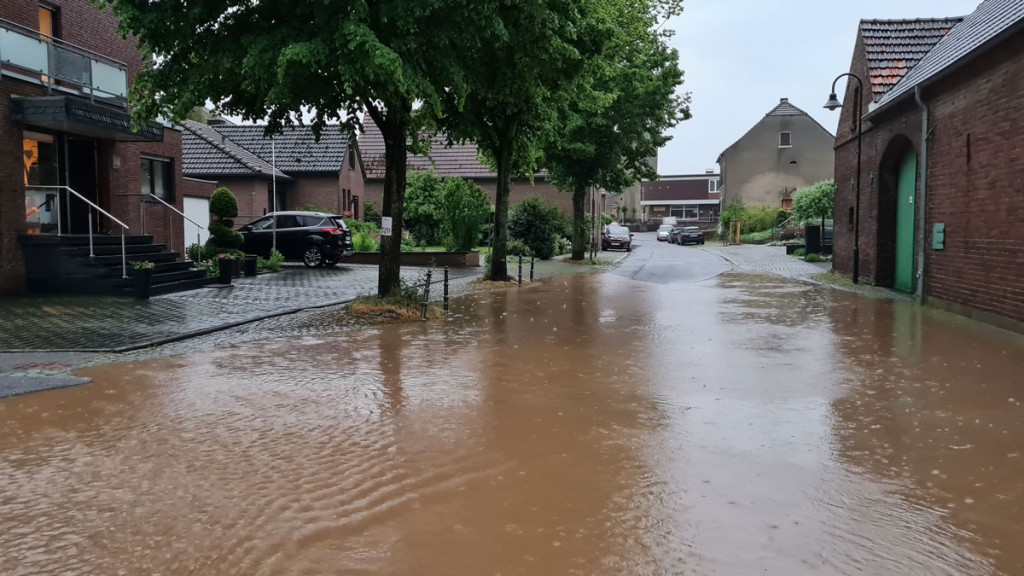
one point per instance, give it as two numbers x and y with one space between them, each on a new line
198 209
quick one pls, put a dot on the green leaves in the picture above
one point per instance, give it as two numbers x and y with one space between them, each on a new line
815 202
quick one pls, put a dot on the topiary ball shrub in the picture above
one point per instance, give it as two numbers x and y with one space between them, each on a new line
799 252
812 258
224 206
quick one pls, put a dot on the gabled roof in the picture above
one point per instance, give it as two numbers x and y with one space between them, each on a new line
990 23
296 148
206 152
893 47
783 108
461 160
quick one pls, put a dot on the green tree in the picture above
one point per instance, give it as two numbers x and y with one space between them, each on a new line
815 202
526 53
279 60
465 209
537 223
622 105
423 206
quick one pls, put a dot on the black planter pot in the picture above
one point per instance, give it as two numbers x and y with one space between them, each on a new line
224 277
236 268
249 265
143 279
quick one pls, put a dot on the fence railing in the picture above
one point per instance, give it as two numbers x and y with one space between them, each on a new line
199 228
53 61
44 203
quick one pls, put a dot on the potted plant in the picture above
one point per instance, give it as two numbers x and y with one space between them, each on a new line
142 275
227 262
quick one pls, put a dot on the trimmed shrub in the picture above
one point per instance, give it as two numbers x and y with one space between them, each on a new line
812 258
465 210
538 223
223 240
799 252
224 206
422 208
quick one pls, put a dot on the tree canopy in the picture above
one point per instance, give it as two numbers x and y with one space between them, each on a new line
621 106
815 202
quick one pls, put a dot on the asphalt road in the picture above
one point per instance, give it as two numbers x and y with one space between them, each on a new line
664 263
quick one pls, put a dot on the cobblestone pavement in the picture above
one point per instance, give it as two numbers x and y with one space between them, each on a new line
768 259
117 324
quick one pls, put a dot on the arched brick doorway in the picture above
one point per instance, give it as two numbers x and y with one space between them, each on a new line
897 199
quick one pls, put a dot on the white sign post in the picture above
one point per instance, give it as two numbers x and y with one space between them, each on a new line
385 226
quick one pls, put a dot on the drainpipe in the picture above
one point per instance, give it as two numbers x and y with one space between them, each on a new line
922 206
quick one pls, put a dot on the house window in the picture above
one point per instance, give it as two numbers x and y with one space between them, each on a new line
712 185
157 178
785 139
48 21
351 158
685 212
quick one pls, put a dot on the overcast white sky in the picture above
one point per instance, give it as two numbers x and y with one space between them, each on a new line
741 56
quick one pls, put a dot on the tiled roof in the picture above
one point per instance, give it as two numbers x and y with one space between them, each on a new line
989 22
894 47
461 160
784 108
296 149
206 152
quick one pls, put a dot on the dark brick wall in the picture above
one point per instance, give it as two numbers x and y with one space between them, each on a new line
974 187
12 189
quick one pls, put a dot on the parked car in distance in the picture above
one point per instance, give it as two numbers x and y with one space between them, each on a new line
313 238
663 231
615 236
673 235
690 235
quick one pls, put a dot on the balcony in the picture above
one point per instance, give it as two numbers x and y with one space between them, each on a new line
62 67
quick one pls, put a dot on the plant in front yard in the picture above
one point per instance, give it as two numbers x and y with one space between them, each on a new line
538 223
141 264
799 252
812 258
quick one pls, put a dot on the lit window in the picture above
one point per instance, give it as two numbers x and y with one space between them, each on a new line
785 139
157 178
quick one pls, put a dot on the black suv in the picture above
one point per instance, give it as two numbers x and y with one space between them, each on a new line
314 238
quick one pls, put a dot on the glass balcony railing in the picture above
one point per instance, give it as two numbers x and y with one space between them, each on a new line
58 64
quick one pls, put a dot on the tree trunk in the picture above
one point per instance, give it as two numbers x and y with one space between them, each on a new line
498 270
389 275
579 222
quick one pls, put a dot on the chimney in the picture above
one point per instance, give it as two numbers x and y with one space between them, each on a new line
783 100
709 171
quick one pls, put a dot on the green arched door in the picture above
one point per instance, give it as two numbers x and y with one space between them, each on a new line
906 197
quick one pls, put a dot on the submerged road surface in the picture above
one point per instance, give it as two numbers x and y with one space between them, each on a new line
656 420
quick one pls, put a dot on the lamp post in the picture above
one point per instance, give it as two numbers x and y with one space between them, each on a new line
832 104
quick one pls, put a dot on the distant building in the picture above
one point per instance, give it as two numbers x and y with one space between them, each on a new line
785 150
294 166
693 199
459 160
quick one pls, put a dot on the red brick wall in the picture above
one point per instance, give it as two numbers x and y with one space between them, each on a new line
977 189
978 196
322 191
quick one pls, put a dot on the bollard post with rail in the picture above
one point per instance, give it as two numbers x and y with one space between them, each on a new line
445 288
520 270
426 298
531 268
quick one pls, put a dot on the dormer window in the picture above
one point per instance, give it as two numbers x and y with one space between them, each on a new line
785 139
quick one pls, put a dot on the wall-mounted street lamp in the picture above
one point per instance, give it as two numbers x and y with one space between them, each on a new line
832 104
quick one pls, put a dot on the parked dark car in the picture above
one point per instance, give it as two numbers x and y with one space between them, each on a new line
690 235
617 237
313 238
673 235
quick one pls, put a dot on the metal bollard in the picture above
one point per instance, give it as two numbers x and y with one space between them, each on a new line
520 270
531 268
426 298
445 288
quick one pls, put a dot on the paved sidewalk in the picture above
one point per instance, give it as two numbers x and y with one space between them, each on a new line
94 324
768 259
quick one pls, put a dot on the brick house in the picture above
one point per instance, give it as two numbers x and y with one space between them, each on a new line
301 170
941 200
785 150
691 198
64 126
459 160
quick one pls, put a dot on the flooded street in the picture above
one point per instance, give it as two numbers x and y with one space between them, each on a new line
736 424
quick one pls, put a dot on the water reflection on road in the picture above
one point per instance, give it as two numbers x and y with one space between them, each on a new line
591 425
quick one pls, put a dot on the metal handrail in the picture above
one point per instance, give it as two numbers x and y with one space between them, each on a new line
92 250
26 31
180 213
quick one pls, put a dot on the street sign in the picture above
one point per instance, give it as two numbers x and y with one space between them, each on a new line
385 226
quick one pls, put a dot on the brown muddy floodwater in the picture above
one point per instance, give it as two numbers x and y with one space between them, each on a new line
592 425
